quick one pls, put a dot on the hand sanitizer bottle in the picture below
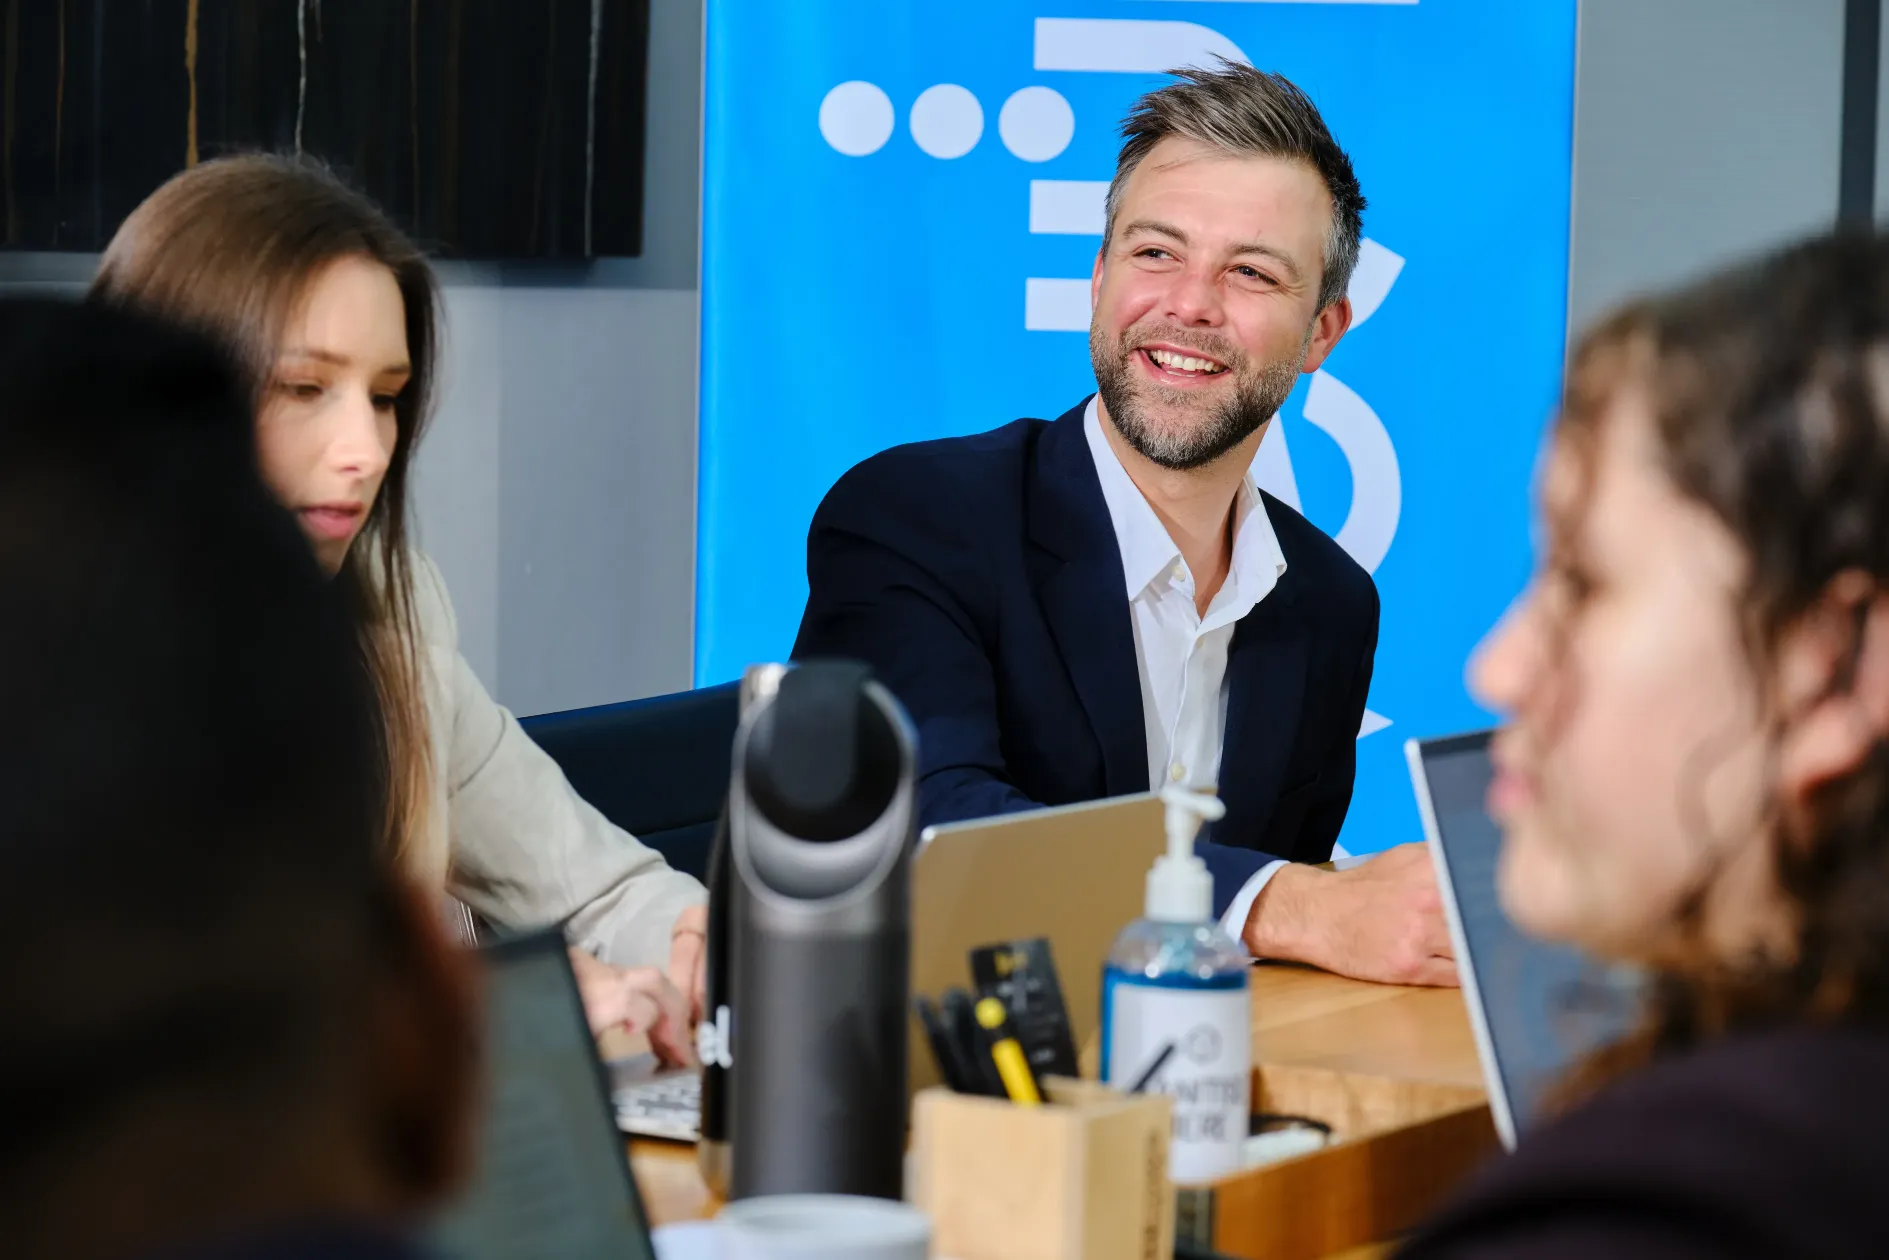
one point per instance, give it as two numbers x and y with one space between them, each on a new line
1176 1010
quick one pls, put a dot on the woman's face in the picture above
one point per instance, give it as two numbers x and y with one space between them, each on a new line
327 428
1633 769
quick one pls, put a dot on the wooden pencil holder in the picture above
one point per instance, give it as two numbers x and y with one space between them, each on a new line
1082 1177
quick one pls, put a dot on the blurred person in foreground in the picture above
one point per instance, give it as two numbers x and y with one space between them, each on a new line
231 1029
334 316
1694 777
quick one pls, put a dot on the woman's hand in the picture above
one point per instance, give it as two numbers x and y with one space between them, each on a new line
638 1000
688 957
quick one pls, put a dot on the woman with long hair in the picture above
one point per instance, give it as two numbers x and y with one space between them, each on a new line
335 315
1694 774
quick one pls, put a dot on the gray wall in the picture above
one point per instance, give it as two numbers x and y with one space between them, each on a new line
1703 130
557 487
1882 125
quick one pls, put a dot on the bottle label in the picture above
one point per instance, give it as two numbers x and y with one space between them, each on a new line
1197 1039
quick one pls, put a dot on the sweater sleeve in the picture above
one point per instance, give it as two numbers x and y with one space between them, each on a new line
526 850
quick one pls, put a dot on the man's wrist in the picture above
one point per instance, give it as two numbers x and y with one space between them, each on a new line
1280 924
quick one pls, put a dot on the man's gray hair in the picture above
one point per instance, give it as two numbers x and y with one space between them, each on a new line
1248 112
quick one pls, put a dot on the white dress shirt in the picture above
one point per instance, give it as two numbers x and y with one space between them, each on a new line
1182 655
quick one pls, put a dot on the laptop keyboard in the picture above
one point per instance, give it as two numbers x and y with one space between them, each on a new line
667 1106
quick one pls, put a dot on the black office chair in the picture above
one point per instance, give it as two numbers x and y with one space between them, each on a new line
658 768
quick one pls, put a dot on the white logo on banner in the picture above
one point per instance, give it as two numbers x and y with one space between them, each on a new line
1036 124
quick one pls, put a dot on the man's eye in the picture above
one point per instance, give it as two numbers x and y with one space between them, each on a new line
1570 582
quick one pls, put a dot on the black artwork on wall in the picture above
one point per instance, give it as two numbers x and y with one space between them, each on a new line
487 128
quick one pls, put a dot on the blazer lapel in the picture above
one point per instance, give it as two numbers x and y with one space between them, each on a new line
1265 687
1077 568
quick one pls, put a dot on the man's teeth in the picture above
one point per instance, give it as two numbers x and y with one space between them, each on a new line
1184 362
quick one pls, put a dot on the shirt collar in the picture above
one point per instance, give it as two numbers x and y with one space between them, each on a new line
1148 554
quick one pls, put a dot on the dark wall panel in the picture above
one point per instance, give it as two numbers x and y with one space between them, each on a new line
488 128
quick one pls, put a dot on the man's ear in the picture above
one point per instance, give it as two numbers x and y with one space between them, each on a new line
427 1056
1328 327
1095 275
1833 682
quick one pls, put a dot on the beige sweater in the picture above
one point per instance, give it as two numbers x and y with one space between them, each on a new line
524 849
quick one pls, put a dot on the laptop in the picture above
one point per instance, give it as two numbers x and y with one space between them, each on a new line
1075 874
1536 1008
553 1176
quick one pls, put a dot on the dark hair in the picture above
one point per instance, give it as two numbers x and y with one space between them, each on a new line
1249 112
230 247
191 776
1768 388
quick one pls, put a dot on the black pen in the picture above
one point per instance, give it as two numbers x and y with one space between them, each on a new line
1160 1061
980 1074
944 1050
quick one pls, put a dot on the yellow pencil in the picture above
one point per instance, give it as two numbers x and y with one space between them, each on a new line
1007 1054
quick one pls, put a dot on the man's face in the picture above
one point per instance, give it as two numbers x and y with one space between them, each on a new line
1206 298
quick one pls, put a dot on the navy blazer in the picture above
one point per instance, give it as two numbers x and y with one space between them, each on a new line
981 579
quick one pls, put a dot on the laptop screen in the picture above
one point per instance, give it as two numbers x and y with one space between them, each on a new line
553 1177
1538 1008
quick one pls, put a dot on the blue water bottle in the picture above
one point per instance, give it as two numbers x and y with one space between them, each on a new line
1176 1009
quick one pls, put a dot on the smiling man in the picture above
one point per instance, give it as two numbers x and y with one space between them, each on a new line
1090 606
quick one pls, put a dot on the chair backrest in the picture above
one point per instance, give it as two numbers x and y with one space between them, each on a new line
658 768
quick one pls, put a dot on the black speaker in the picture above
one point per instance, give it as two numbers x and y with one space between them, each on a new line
821 825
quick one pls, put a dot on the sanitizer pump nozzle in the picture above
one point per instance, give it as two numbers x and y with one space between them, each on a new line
1179 888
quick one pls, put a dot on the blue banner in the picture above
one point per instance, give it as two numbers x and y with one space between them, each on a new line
901 204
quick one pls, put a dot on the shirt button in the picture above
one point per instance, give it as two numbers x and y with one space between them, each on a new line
1177 772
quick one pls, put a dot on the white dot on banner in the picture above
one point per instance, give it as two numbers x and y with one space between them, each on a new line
1036 123
947 121
856 118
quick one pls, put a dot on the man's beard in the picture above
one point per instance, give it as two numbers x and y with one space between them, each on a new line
1220 425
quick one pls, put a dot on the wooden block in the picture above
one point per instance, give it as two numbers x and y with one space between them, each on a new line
1353 1104
1081 1178
1366 1189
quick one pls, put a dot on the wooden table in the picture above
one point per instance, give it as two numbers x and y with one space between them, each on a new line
1308 1018
1301 1019
1395 1072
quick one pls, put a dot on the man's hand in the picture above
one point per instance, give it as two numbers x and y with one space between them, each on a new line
688 957
1382 920
639 1000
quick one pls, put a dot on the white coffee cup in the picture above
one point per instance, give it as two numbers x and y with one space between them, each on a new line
822 1227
